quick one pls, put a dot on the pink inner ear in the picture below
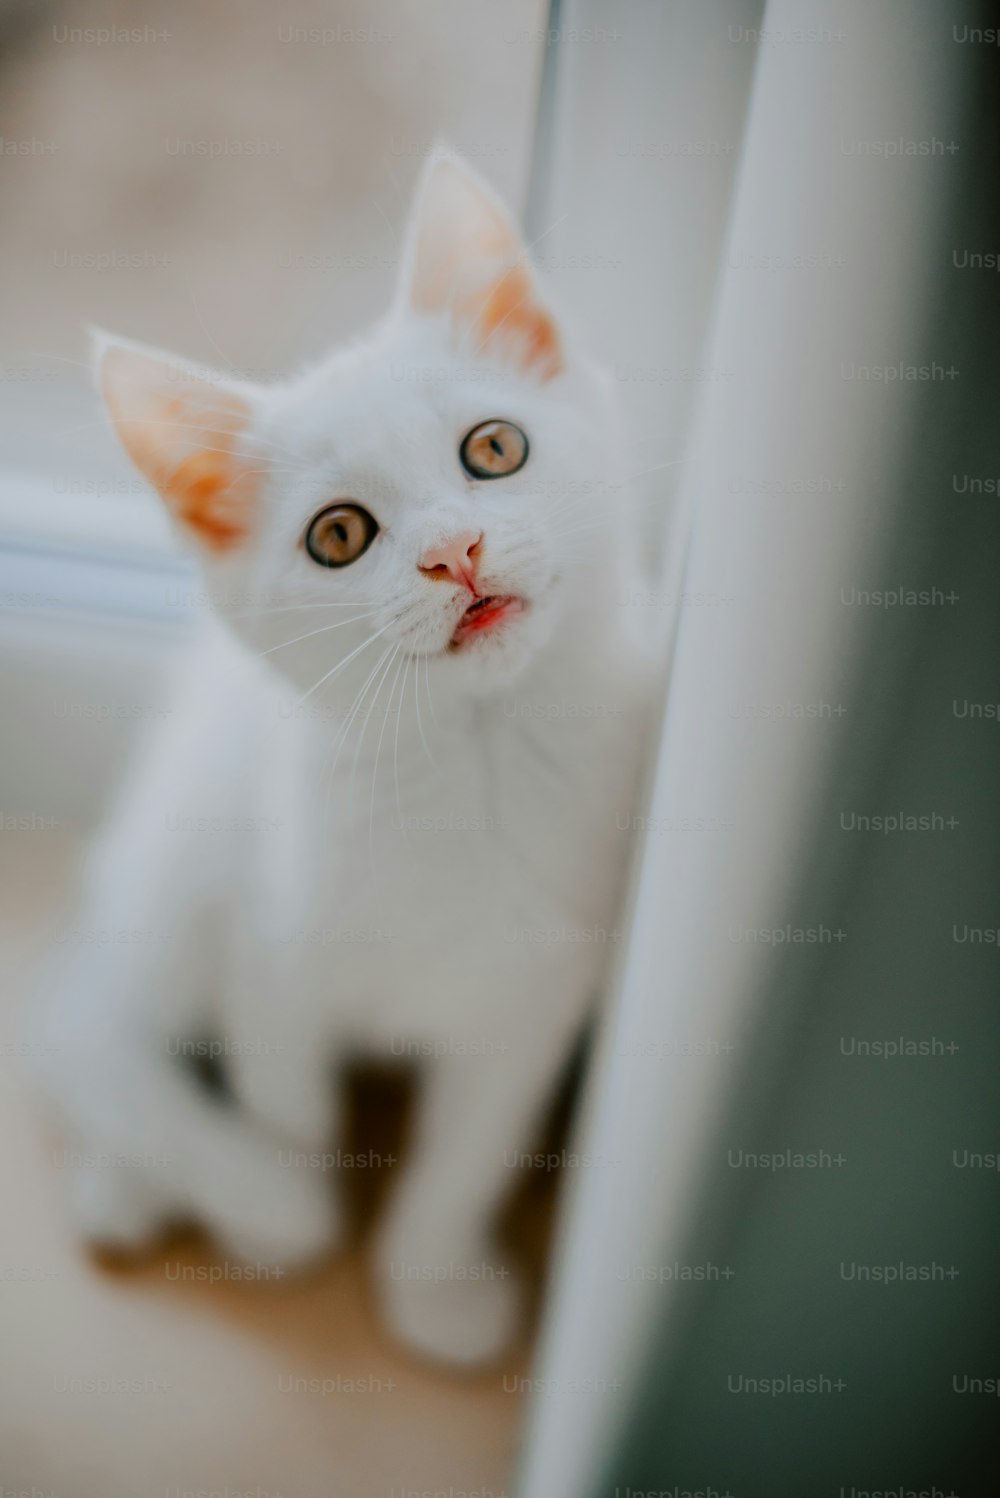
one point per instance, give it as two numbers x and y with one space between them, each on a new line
184 444
469 262
511 310
210 494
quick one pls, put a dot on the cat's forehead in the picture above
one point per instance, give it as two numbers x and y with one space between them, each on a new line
401 400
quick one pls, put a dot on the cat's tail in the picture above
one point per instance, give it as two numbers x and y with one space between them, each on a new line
148 1146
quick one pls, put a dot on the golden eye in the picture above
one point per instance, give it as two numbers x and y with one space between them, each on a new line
493 450
339 535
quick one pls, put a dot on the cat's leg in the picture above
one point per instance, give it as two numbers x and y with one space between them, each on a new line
275 1059
114 1203
281 1072
94 1003
153 1147
274 1007
148 1144
288 1084
444 1291
275 1012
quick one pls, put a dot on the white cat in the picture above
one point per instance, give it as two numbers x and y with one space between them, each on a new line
383 814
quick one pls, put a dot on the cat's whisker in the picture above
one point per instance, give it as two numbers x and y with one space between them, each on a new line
340 665
60 358
349 717
233 368
386 220
523 258
250 473
323 629
367 719
291 608
416 700
653 497
407 658
564 511
578 530
430 695
575 502
255 437
573 505
295 461
378 751
102 421
509 313
656 468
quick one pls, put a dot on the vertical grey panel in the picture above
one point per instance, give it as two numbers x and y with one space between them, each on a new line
852 1206
805 689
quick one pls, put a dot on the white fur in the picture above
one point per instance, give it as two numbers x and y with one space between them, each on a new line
476 934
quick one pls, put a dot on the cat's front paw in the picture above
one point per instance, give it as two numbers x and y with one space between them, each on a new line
287 1221
115 1210
458 1312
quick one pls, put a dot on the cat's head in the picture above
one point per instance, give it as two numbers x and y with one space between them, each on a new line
439 490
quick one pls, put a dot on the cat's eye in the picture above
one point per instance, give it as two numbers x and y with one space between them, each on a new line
493 450
339 535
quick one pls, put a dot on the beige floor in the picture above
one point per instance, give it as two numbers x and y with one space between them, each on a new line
197 1371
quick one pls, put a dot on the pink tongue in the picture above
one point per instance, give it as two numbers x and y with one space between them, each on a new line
484 615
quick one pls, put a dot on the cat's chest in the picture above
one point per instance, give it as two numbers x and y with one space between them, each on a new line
438 860
439 879
483 817
453 914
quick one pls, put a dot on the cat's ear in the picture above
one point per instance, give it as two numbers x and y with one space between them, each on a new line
466 258
182 427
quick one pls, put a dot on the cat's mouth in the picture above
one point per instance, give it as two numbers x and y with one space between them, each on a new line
485 616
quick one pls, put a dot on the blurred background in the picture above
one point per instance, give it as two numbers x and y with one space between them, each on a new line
232 178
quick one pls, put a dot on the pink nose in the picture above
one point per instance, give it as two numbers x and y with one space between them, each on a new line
457 559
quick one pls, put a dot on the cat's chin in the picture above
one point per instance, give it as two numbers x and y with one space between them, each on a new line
484 619
480 661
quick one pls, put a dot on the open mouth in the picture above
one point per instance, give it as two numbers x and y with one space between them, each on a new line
486 615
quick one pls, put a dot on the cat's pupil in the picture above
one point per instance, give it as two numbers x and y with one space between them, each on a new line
493 449
339 535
